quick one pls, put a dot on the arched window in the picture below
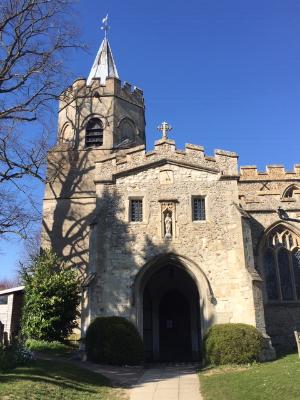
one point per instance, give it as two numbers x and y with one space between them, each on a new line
281 260
127 130
289 192
94 133
67 134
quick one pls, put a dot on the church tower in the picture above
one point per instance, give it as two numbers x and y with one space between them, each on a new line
97 116
100 113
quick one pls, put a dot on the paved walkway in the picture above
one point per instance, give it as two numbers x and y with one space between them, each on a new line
167 383
160 382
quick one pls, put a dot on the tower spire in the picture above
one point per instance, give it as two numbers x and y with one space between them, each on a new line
104 65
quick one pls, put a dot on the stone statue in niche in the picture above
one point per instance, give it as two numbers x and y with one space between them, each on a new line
168 224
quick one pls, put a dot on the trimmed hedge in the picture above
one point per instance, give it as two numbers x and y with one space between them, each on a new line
113 340
232 344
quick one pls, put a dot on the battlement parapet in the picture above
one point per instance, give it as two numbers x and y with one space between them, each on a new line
113 86
226 153
223 163
273 172
194 150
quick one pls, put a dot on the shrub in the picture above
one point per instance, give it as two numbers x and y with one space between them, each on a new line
113 340
13 355
48 347
232 344
52 296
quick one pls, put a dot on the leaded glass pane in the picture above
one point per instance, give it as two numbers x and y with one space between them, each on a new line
296 268
285 275
198 208
270 275
136 210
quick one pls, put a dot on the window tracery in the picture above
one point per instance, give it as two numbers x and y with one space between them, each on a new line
281 259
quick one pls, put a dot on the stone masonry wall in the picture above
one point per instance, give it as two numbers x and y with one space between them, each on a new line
215 245
261 193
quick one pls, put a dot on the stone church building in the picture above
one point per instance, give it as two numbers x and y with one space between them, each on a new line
174 240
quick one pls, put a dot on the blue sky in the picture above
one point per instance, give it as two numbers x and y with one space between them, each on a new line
224 73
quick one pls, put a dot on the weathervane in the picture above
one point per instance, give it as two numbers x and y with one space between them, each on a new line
164 128
105 26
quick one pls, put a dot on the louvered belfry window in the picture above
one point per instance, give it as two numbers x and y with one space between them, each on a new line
94 133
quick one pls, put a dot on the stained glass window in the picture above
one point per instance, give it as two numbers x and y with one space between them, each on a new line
285 274
282 265
270 275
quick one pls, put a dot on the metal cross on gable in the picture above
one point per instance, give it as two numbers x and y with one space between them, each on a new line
164 128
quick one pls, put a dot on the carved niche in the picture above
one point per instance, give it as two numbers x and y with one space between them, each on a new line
168 219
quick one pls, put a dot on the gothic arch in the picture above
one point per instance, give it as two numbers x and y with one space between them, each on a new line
93 115
288 192
94 132
206 296
275 226
279 262
66 133
127 129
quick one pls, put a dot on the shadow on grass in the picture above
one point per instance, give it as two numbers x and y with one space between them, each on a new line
60 374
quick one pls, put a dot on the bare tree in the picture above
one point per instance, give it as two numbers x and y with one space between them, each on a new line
34 38
9 283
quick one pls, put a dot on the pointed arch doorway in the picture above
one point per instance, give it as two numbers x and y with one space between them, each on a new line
171 315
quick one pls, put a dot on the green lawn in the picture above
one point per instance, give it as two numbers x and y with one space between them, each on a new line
50 380
277 380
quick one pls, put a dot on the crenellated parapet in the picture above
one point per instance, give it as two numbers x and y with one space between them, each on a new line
223 163
113 87
273 172
266 191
